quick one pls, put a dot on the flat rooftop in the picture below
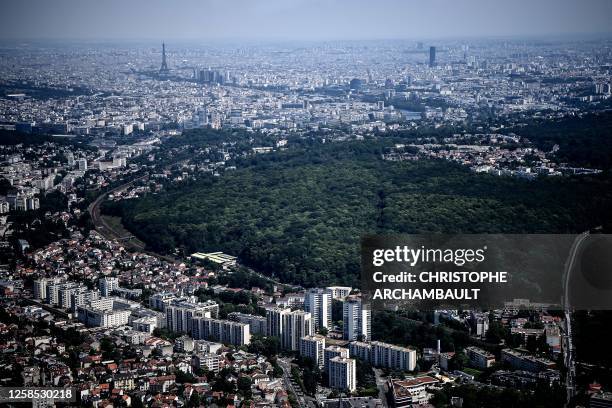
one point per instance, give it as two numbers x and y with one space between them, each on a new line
216 257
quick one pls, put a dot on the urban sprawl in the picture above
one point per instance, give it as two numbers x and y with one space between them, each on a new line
93 309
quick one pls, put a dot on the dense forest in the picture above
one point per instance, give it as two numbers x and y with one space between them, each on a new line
298 215
585 141
473 396
12 138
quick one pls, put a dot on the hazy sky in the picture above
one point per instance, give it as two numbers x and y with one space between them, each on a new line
299 19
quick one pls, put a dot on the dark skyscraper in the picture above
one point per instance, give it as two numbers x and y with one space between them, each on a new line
164 65
432 56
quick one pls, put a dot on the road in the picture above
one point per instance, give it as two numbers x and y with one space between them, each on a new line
288 380
274 281
94 211
568 348
381 384
108 232
48 308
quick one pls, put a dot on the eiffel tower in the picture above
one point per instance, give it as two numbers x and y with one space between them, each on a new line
164 71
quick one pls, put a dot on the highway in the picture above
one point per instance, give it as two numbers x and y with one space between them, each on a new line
570 377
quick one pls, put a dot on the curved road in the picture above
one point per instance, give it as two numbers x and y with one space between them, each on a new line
109 232
94 211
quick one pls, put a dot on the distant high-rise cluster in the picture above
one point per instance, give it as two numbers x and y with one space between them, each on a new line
213 77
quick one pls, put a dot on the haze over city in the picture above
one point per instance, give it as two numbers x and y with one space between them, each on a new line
280 20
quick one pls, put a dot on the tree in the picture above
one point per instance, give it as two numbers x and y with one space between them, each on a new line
222 383
310 379
109 350
5 186
194 400
137 402
268 346
244 385
496 333
514 340
278 206
183 377
458 362
439 399
277 370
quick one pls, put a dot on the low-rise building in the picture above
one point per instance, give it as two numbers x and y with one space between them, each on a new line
479 358
412 391
206 361
522 361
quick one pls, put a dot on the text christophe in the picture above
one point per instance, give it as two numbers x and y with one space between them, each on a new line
430 279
